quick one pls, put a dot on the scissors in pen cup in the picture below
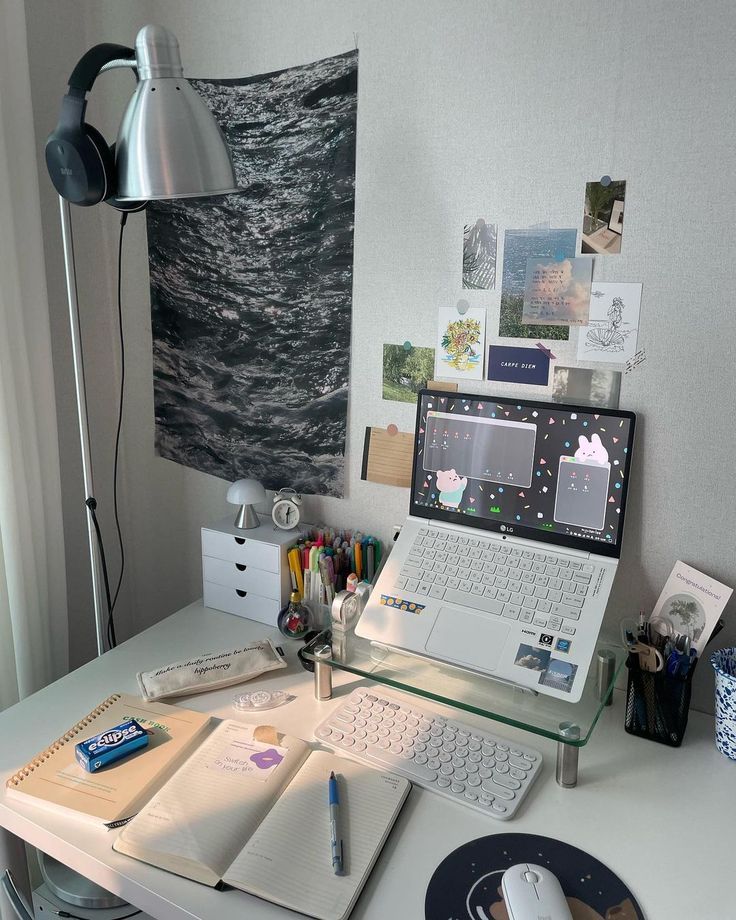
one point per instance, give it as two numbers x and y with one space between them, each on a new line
650 658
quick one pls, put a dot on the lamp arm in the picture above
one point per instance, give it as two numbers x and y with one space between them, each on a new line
121 62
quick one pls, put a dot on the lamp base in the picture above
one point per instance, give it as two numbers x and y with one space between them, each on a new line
247 518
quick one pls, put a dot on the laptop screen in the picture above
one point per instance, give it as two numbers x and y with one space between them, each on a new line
544 471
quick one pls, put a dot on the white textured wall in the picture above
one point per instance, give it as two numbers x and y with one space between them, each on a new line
501 109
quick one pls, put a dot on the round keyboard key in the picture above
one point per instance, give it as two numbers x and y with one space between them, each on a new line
485 772
433 763
461 740
502 747
474 746
517 774
477 738
424 725
424 736
448 734
347 741
448 747
447 769
499 807
473 780
501 757
474 757
419 747
383 732
463 733
395 736
396 748
400 717
372 726
458 788
414 723
502 768
420 758
372 739
388 723
407 753
514 752
444 757
359 746
460 775
489 746
435 742
471 767
436 731
469 794
532 758
336 736
360 723
410 732
359 733
443 781
323 732
384 743
458 761
378 709
394 706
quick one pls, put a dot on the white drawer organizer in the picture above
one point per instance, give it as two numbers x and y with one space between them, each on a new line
246 572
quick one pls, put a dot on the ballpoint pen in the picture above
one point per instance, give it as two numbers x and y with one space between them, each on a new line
336 843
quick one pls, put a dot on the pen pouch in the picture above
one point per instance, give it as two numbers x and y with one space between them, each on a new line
657 703
211 671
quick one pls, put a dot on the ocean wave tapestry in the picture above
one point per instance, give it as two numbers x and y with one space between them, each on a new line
251 294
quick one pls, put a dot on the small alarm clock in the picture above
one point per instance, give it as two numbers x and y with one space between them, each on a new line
286 509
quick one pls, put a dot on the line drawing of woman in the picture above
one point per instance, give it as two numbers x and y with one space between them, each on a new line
608 336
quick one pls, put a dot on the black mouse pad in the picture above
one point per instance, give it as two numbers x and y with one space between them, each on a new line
467 884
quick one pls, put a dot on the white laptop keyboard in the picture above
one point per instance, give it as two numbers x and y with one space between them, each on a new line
525 585
460 762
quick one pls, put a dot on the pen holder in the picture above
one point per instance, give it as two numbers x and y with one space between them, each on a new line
657 703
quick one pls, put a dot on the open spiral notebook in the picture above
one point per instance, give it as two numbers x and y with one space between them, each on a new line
249 809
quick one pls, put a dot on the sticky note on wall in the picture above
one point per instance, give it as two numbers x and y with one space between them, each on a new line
387 456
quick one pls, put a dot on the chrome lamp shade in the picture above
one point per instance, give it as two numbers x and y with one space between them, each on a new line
169 144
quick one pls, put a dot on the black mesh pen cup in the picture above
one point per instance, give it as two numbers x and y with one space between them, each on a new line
657 703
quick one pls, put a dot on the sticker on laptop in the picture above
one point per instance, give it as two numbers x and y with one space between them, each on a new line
399 603
534 659
563 645
546 639
560 675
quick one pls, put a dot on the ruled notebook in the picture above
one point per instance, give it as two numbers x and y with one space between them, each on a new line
55 781
253 814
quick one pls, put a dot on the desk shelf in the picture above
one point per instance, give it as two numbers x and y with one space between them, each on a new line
471 692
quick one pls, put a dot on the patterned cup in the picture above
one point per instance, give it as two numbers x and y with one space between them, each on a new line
724 664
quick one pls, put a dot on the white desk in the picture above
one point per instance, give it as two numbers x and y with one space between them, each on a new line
662 819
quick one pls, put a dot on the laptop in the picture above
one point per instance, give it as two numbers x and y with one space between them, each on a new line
507 559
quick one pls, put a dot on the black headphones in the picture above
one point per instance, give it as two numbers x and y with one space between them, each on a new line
79 160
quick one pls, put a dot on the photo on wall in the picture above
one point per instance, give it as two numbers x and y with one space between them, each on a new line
585 386
603 218
251 293
406 371
519 247
479 255
557 291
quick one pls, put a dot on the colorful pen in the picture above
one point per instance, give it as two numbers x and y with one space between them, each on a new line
336 843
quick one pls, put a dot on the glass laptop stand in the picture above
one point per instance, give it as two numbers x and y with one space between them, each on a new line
569 724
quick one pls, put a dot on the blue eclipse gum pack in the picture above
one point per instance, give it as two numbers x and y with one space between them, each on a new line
111 745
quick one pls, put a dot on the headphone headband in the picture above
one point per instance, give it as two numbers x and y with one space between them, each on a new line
91 63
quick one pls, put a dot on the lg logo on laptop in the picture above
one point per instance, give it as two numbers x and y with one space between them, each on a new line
507 529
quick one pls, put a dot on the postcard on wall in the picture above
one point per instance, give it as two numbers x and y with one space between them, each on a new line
406 371
519 247
603 217
509 364
461 343
557 292
479 255
692 602
388 456
586 386
613 323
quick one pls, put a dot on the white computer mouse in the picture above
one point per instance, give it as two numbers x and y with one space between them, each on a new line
533 893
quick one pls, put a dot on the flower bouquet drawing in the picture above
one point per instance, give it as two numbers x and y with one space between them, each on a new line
460 342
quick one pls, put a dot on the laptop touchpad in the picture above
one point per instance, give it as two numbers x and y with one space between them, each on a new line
472 639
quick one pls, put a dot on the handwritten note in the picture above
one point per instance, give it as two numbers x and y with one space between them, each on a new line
557 293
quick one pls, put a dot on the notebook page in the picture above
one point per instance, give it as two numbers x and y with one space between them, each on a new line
287 860
213 803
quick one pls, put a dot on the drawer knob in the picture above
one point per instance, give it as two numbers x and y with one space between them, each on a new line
239 540
240 593
240 567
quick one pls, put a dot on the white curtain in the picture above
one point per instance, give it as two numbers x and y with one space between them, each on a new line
33 614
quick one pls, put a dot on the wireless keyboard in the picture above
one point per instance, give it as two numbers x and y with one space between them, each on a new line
460 762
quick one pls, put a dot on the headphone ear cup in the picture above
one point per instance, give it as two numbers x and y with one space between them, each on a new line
101 169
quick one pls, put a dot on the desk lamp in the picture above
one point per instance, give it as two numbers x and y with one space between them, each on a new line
168 146
246 493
